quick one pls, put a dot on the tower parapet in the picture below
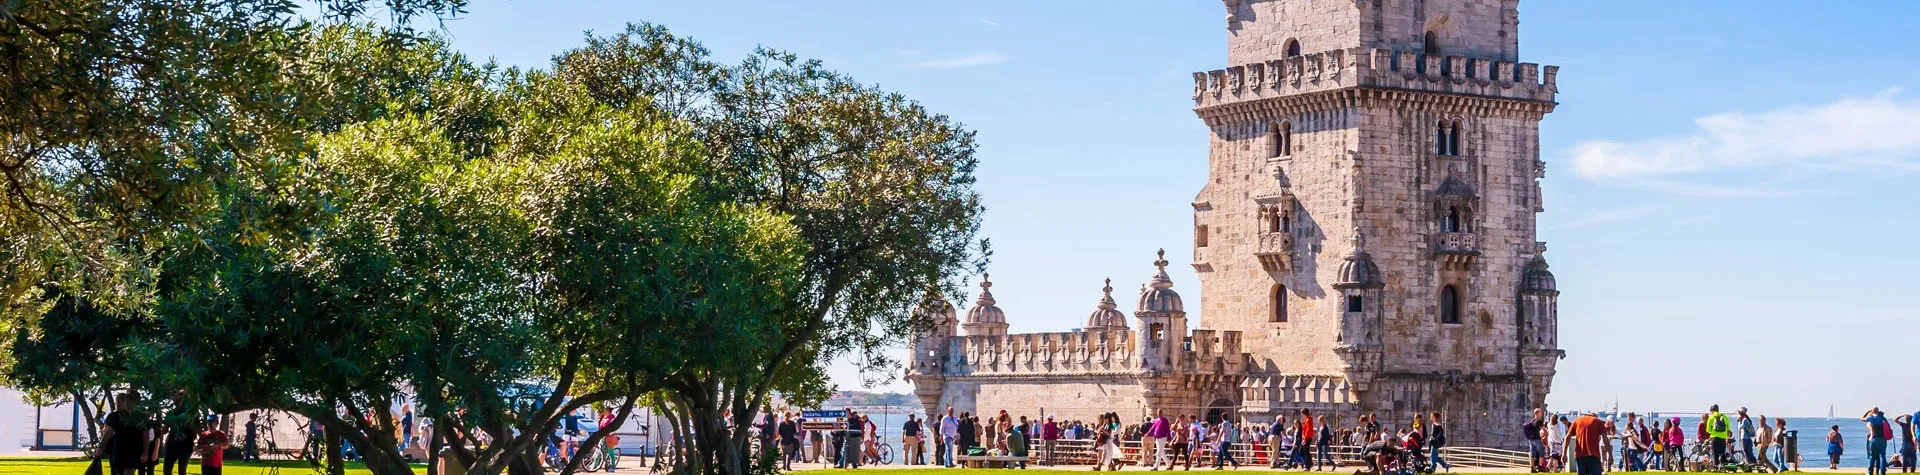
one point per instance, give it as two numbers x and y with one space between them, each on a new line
1374 68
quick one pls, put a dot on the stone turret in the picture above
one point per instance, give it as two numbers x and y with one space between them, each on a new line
1107 316
1163 318
1361 305
985 318
1540 319
930 349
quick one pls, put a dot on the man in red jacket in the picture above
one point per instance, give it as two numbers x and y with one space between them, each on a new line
1049 436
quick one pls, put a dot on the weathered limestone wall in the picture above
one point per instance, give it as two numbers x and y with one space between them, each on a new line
1483 413
1067 399
1237 292
1259 29
1498 157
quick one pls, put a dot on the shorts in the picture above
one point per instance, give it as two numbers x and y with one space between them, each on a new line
205 470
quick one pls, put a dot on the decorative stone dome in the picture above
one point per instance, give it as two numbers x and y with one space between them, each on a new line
1159 296
1358 271
984 310
1106 317
1536 279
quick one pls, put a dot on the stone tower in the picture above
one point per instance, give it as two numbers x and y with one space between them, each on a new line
1368 223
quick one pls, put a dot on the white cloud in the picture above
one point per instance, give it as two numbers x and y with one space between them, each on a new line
1879 132
988 22
1608 216
975 59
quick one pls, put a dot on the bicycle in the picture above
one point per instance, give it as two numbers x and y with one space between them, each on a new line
606 456
881 453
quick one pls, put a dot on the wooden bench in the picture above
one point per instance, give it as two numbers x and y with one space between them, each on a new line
985 461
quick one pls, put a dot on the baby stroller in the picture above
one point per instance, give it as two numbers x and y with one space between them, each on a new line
1410 460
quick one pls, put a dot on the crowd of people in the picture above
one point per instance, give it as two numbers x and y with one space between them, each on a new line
1298 441
132 445
1588 444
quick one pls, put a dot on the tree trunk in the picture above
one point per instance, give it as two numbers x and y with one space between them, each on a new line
433 450
334 465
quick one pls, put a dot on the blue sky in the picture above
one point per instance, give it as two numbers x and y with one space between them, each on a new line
1731 199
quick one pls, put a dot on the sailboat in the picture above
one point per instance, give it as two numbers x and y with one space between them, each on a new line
1830 414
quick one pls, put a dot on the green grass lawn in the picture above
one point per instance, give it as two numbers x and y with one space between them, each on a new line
75 466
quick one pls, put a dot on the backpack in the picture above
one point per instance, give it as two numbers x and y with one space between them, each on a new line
1886 431
1720 423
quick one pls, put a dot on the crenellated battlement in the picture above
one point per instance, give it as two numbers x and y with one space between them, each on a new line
1106 351
1085 351
1375 68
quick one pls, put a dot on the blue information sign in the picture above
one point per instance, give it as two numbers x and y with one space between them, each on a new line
825 414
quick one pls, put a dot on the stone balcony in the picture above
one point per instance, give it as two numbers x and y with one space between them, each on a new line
1275 251
1456 250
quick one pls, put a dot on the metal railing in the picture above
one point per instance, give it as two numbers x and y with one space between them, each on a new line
1081 452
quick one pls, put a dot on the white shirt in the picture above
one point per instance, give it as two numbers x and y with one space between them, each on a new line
949 426
1556 434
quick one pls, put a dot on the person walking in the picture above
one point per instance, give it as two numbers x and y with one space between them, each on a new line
1746 434
1556 437
1229 434
1587 432
817 440
1718 431
123 437
1905 422
1785 453
1763 444
250 446
1049 439
789 441
180 441
850 447
949 430
1160 433
1676 446
910 438
1536 448
1182 438
1324 443
1303 439
1836 445
1437 439
1878 431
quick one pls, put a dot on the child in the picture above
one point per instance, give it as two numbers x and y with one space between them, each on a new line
212 443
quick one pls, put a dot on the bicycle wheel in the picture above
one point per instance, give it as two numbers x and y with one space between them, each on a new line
592 463
886 454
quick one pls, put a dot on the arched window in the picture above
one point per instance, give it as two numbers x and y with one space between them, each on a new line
1449 305
1279 303
1293 48
1280 139
1271 216
1453 139
1286 221
1440 138
1452 224
1432 44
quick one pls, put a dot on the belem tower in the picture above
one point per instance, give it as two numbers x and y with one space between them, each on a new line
1365 241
